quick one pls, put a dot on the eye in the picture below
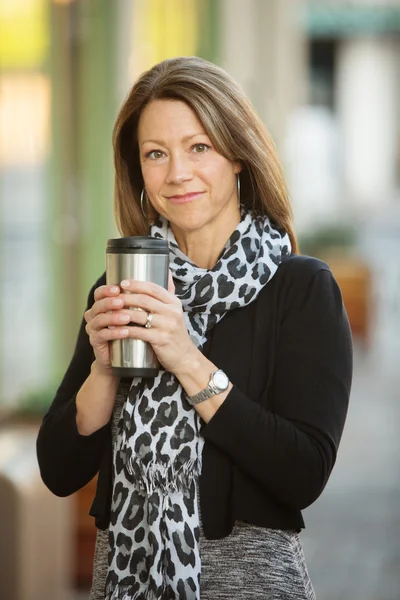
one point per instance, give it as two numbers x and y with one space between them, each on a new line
200 148
154 154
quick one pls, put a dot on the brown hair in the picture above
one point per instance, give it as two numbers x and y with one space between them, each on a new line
231 124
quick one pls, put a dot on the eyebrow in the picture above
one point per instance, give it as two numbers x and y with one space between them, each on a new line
184 139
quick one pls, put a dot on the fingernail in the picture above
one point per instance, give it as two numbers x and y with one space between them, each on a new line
124 331
125 283
114 289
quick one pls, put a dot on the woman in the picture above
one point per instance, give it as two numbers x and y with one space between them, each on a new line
204 470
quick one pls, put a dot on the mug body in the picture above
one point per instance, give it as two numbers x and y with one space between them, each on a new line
140 259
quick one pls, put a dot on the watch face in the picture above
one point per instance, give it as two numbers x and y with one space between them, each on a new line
220 380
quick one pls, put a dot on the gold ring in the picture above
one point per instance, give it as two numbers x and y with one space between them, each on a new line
149 320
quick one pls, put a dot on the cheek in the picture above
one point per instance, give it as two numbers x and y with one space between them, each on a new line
153 178
219 176
212 172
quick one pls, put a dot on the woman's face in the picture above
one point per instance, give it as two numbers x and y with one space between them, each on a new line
186 180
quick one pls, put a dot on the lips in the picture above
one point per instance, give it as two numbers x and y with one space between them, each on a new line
184 198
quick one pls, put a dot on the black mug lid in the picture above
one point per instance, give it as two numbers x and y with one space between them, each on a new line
138 243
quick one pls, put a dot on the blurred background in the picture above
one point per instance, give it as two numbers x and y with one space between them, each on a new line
325 78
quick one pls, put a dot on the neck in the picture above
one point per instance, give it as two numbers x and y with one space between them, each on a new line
203 247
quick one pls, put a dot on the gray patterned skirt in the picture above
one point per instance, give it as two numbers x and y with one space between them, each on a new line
254 564
251 564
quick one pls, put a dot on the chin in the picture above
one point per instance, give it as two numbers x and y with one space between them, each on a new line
189 223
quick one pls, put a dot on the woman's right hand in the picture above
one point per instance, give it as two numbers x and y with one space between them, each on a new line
106 321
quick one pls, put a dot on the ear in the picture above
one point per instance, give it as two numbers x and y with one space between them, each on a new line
237 167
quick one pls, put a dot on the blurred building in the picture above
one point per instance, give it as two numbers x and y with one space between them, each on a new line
354 66
344 145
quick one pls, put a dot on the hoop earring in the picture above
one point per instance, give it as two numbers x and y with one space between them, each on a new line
238 188
141 204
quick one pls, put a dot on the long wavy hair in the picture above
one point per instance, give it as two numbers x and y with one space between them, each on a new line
232 125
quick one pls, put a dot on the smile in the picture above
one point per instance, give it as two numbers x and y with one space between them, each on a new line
184 198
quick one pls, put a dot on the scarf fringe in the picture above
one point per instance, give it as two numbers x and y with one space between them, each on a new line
124 592
165 478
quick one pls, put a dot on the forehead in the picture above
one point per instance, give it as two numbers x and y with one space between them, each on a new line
168 118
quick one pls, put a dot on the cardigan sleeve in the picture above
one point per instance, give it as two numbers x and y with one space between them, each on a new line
67 459
291 449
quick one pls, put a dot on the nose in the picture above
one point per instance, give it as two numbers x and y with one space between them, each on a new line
179 169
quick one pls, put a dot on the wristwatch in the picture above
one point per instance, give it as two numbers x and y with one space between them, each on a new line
219 382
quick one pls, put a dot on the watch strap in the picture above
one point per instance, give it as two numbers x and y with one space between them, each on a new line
210 390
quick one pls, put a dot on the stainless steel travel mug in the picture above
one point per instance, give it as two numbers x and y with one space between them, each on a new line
140 259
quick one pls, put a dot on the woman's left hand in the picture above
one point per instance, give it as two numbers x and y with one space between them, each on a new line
168 334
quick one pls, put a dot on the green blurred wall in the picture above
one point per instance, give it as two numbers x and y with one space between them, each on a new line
83 112
84 41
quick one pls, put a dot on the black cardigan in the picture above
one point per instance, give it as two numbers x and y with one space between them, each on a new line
271 446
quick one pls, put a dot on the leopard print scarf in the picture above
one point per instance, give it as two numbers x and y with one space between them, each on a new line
154 527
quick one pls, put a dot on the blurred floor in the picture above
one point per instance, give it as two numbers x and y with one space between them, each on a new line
352 539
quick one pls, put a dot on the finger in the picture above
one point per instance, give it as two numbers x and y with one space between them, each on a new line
143 302
141 318
104 291
113 319
103 306
154 336
106 335
149 288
